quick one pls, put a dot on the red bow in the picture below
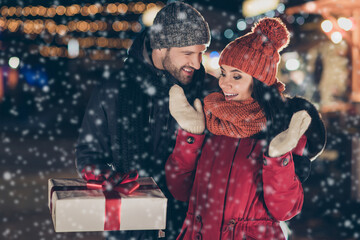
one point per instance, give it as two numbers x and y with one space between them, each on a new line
123 183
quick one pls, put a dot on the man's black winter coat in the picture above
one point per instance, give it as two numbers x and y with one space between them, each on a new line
127 123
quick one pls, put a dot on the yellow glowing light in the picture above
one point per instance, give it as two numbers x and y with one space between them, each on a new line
93 27
50 26
13 26
61 29
38 26
117 26
93 9
52 51
345 23
326 26
102 26
75 8
84 11
101 42
253 8
44 51
12 11
131 6
49 22
82 26
139 7
122 8
25 11
69 11
310 6
28 26
60 10
2 22
136 27
149 15
4 11
51 12
111 8
125 25
72 26
42 11
150 5
18 11
34 11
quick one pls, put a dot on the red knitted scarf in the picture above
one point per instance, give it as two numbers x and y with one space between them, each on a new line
232 118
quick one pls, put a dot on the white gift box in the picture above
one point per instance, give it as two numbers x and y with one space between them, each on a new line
74 208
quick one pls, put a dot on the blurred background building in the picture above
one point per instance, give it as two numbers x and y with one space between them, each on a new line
54 53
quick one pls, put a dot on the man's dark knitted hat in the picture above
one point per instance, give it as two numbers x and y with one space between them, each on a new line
179 25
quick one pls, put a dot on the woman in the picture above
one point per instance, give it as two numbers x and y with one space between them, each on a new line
245 176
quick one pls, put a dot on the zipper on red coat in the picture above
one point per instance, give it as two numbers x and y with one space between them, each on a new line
227 187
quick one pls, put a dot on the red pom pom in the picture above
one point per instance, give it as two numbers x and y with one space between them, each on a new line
274 30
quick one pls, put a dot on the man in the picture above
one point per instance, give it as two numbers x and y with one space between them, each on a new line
127 124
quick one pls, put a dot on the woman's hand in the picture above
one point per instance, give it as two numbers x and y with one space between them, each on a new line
191 119
287 140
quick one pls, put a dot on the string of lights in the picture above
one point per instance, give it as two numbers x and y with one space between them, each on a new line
103 42
62 52
75 9
83 45
38 26
37 20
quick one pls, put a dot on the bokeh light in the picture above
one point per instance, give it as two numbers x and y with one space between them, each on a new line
14 62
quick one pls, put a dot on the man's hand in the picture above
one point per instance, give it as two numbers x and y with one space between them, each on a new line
287 140
191 119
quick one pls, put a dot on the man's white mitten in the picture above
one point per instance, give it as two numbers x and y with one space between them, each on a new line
191 119
287 140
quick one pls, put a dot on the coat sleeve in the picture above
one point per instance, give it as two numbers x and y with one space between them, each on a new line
283 192
93 144
181 164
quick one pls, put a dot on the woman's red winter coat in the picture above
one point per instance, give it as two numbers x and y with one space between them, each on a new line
234 190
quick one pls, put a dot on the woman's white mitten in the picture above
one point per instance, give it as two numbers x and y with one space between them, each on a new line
287 140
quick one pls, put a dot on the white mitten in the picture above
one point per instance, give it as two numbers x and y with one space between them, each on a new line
287 140
191 119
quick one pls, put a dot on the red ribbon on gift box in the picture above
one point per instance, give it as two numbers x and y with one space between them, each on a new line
127 185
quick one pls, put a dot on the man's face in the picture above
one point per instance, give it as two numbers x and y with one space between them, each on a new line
182 62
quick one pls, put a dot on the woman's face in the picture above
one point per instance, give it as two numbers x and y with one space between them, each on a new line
235 84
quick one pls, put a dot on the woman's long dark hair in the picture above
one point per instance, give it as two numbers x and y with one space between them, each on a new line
274 106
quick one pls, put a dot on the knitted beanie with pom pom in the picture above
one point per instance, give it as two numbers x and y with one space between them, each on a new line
257 52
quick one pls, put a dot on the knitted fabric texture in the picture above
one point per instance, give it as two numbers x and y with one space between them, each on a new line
232 118
179 25
257 53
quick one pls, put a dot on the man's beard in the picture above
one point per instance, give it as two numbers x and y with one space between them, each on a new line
176 72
